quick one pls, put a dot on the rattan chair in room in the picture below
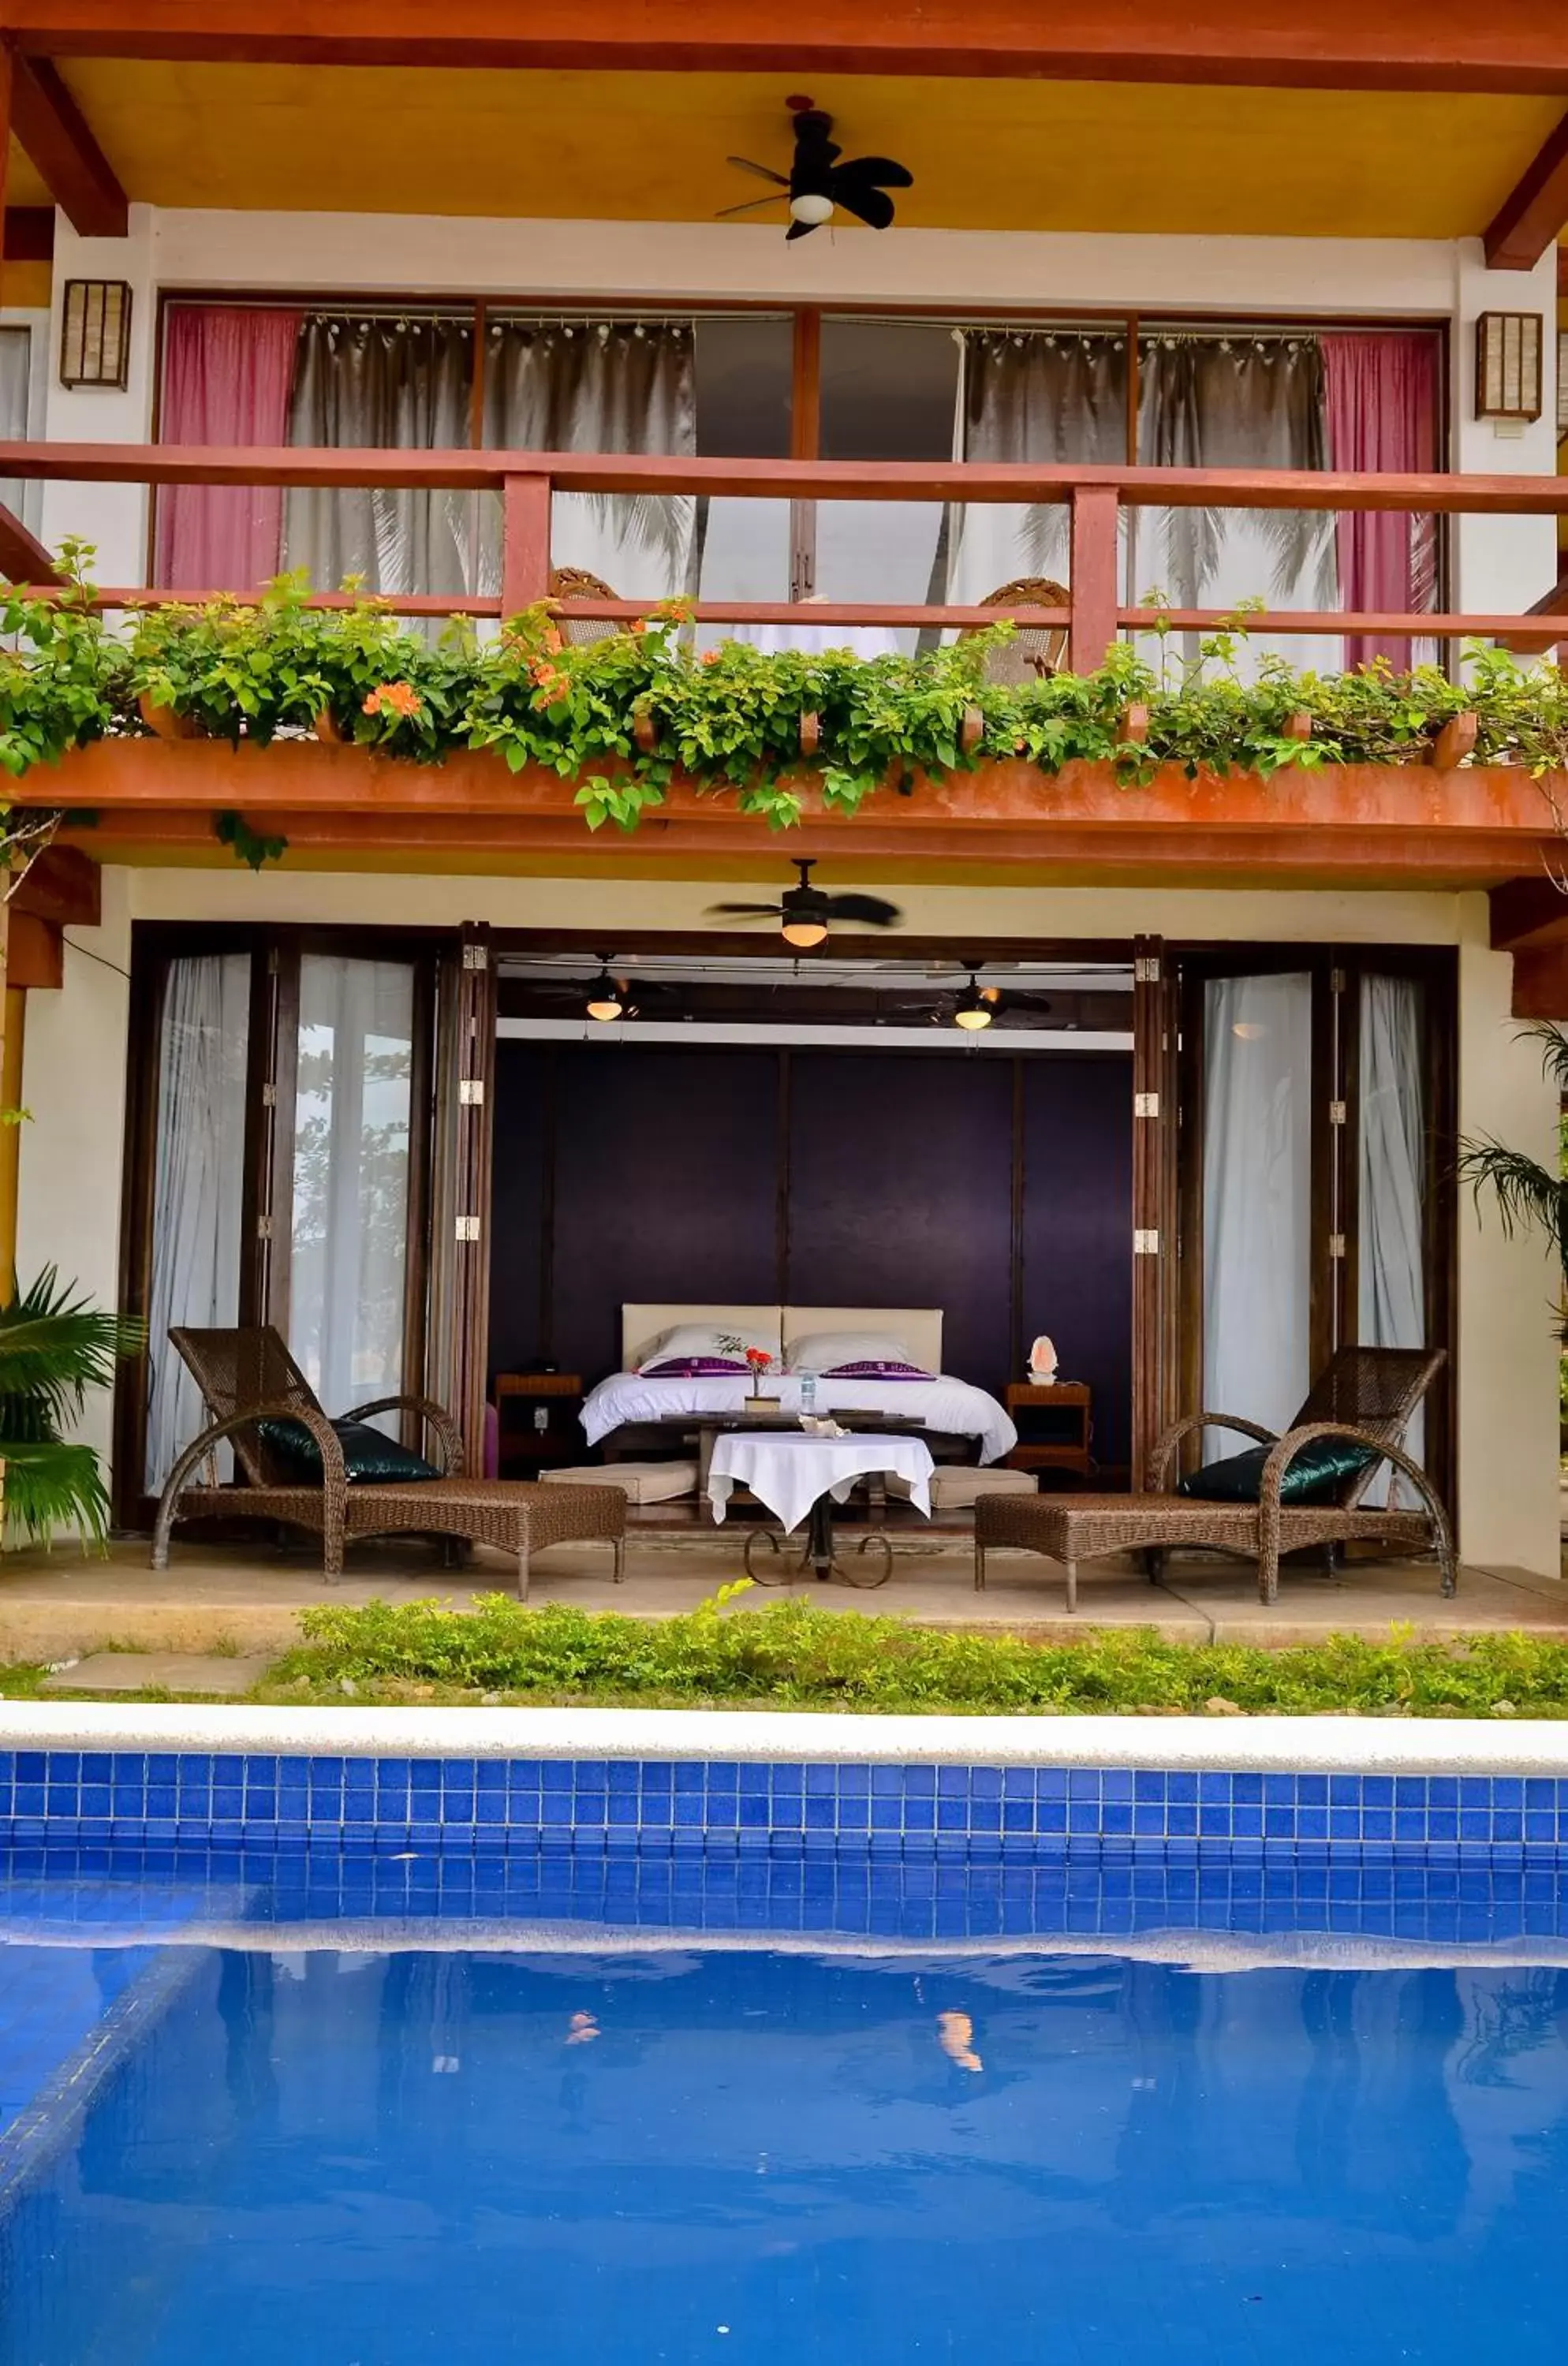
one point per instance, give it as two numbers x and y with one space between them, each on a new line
1034 650
570 583
247 1376
1368 1395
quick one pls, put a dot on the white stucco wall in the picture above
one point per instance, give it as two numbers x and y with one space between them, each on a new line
1507 1382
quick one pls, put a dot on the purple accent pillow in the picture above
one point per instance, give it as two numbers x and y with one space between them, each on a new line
693 1367
878 1371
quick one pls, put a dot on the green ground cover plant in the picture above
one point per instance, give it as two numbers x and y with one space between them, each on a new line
797 1655
621 717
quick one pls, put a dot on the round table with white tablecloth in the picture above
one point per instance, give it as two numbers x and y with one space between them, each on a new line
801 1477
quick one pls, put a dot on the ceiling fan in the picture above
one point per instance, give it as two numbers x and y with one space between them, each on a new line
816 181
806 914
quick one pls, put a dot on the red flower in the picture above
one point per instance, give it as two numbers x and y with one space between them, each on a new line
759 1359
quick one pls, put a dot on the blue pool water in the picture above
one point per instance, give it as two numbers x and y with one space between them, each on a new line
619 2147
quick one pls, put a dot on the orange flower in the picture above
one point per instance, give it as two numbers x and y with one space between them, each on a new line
638 627
710 657
395 698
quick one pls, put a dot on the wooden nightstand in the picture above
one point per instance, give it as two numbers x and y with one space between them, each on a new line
527 1444
1055 1426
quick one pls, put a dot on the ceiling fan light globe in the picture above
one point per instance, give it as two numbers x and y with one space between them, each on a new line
604 1007
804 933
812 208
972 1017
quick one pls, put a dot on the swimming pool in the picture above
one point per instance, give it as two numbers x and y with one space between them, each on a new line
434 2084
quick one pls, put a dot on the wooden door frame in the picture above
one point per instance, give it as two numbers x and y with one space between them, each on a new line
268 1159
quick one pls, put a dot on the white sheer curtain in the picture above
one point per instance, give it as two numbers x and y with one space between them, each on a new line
351 1176
406 383
1257 1201
197 1178
1391 1273
600 385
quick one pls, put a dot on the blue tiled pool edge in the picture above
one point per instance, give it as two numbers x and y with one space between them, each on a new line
605 1780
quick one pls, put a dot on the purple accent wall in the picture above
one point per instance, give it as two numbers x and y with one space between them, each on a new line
1077 1219
900 1193
666 1174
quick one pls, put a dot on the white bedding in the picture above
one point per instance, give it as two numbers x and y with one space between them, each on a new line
945 1404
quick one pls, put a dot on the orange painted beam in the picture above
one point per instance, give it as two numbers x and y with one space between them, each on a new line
35 955
63 884
1534 211
1512 45
54 133
1541 983
1409 824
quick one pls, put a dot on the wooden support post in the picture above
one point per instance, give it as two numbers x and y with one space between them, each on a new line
7 90
525 544
1093 574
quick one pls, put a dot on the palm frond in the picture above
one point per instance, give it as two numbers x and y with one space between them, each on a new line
661 522
1553 1042
55 1344
1304 543
49 1486
1529 1196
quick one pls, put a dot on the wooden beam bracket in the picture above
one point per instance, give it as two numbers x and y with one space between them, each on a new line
54 133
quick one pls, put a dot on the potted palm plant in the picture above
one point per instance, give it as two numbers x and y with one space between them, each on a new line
54 1347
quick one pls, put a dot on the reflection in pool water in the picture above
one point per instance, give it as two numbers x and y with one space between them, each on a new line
319 2159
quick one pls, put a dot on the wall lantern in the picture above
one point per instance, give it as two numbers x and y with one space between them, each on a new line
1507 365
94 337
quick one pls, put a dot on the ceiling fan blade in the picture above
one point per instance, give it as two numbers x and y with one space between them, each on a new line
881 171
762 171
800 230
870 909
867 203
744 912
750 205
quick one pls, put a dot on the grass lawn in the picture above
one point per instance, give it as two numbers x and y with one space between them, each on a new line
792 1655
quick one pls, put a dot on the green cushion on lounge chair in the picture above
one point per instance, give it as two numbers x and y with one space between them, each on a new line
1315 1476
370 1457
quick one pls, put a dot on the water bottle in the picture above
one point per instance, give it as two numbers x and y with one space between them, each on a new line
809 1396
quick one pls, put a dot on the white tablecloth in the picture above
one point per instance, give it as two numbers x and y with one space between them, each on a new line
787 1471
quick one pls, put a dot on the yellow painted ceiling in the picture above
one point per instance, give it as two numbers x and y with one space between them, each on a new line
986 156
24 183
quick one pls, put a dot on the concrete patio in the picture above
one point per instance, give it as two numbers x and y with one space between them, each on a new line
229 1598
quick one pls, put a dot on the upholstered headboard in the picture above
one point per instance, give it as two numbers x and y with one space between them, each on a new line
773 1328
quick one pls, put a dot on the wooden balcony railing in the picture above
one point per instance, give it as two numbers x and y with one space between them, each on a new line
1094 497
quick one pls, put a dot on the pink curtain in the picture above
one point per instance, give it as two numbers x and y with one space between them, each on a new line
1382 399
227 374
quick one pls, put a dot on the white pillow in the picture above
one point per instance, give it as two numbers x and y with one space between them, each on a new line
824 1351
689 1340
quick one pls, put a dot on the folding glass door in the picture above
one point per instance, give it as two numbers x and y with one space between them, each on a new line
277 1167
1317 1156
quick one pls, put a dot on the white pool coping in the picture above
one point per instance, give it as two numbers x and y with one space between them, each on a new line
1351 1745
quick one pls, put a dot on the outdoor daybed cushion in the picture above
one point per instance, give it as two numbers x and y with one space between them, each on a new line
370 1457
1315 1476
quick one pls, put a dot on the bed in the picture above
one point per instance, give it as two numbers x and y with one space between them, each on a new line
947 1409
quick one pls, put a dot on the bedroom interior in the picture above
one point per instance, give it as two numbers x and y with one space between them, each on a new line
1198 1170
824 1145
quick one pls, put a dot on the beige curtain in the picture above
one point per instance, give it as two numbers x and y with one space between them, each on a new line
1042 395
598 386
405 384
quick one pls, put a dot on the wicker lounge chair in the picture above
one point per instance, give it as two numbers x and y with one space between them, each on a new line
247 1376
1368 1394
